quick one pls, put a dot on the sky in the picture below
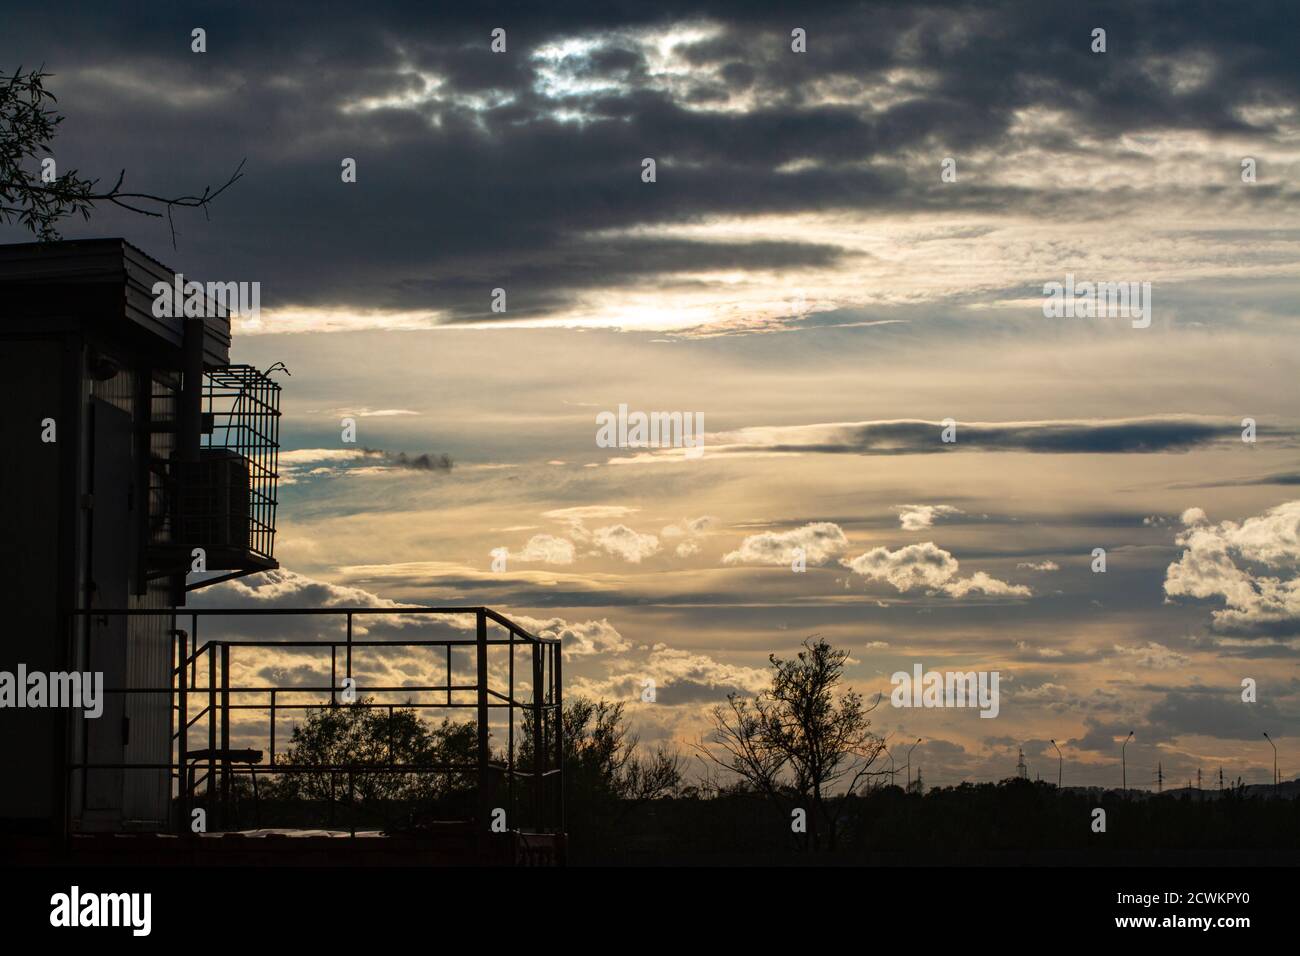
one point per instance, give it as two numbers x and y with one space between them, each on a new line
841 250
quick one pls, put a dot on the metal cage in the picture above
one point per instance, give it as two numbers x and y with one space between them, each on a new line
226 501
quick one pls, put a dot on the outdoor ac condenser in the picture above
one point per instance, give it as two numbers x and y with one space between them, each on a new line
212 504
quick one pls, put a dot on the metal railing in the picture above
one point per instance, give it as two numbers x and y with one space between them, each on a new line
530 791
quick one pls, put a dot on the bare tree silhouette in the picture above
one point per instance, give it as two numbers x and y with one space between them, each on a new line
27 128
797 743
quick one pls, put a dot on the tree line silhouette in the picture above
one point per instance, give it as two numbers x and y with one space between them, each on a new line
801 744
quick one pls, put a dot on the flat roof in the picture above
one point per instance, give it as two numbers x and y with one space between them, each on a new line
98 281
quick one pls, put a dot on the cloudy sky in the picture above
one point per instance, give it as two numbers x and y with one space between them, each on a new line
802 273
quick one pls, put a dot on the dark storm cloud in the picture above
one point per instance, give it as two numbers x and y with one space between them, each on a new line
1264 650
889 521
1216 713
476 179
1201 711
1104 736
538 282
1283 478
302 675
422 462
1259 629
682 691
914 437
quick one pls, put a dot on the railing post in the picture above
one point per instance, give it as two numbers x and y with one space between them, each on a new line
510 730
480 680
212 730
182 744
539 741
559 732
225 734
194 650
334 669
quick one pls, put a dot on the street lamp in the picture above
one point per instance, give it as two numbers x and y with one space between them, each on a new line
1060 765
1274 746
909 761
1124 761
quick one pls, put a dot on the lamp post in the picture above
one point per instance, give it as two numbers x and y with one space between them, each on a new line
1274 746
909 761
1124 760
1060 765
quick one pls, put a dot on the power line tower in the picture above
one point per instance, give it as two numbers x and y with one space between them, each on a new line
1022 772
1220 778
1160 777
1198 778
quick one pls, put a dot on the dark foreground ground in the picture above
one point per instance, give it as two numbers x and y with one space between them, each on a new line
1015 823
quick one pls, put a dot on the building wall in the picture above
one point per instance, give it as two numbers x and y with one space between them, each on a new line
137 649
147 796
69 543
29 570
64 306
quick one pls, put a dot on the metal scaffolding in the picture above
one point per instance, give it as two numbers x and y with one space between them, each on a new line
502 690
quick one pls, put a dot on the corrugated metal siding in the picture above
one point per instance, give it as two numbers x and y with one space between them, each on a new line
118 391
165 403
145 793
142 271
149 800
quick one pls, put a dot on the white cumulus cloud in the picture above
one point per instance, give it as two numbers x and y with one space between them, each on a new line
1153 655
928 567
622 542
1251 567
920 517
547 549
820 541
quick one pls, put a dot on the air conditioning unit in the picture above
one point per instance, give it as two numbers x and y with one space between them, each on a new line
212 502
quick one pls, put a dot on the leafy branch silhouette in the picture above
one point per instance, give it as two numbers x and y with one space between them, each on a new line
27 128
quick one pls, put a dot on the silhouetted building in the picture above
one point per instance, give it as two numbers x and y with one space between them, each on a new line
140 465
130 441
